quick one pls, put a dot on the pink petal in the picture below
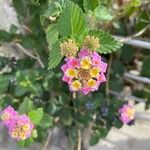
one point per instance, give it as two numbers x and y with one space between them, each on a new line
102 78
66 79
85 90
74 63
83 53
95 55
103 66
96 87
64 67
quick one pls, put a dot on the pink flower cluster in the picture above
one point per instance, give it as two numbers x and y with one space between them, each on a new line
127 113
19 126
84 73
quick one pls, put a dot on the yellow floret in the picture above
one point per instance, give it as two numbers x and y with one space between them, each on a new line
14 134
72 73
5 116
26 127
85 63
76 85
22 136
91 83
130 113
94 72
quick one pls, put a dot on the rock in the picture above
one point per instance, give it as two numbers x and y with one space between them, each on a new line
8 15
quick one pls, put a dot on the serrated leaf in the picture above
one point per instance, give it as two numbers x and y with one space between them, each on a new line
54 56
46 121
72 21
36 115
102 13
52 34
52 9
26 105
90 4
108 43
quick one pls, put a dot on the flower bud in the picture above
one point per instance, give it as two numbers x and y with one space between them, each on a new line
69 48
91 43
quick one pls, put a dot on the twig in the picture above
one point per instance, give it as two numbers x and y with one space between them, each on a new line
137 78
37 57
108 76
134 42
136 34
126 98
27 28
45 146
79 140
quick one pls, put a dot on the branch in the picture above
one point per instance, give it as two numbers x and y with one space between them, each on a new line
137 34
37 57
108 76
138 43
79 140
126 98
137 78
45 146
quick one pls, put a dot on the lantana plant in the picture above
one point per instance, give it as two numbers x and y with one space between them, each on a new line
66 83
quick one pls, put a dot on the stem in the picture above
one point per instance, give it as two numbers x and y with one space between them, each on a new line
37 57
108 77
79 140
137 78
138 43
74 95
126 98
45 146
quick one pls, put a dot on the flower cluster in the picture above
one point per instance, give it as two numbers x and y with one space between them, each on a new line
84 73
19 126
127 113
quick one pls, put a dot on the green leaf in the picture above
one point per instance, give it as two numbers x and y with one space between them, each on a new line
72 21
36 115
116 84
108 43
66 117
143 20
26 105
5 36
90 4
21 8
25 143
52 34
4 82
94 138
127 53
46 121
102 13
118 68
54 56
145 68
13 29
